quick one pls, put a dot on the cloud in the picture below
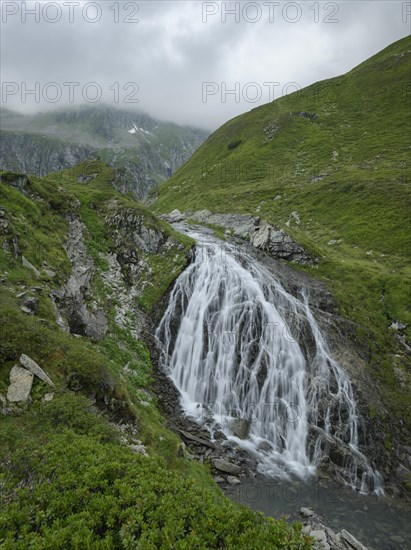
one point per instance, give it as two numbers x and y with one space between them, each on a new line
164 59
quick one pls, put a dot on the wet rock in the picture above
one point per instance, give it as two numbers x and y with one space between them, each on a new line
227 467
320 540
34 368
199 440
261 234
279 244
352 541
21 382
233 480
240 427
265 446
306 512
241 225
220 436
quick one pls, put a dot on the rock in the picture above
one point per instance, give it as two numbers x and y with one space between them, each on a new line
139 449
320 540
240 427
352 541
306 512
19 181
181 451
261 235
27 264
219 479
265 446
220 436
50 273
25 309
233 480
174 216
34 368
85 178
96 325
48 397
227 467
199 440
21 382
31 303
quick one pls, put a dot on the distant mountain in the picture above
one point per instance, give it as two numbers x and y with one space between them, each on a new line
148 150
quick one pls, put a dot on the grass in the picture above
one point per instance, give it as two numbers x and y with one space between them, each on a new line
338 154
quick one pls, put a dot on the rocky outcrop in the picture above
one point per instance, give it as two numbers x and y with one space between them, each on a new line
74 299
260 233
130 229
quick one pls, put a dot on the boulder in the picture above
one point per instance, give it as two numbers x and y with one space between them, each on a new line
233 480
21 382
199 440
352 541
174 216
227 467
240 427
34 368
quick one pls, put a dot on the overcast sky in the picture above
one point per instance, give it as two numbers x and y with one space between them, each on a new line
180 58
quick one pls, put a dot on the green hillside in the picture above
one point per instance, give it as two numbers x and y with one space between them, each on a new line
337 153
90 462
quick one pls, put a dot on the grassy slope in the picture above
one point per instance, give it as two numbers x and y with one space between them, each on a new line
359 145
66 478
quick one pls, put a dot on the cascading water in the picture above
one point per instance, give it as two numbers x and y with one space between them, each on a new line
230 343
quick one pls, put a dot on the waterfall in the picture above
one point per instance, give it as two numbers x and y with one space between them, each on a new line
230 340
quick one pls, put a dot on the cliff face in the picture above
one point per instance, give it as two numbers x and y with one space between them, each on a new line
148 151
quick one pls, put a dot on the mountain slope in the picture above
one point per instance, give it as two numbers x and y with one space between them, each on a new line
90 462
149 151
330 164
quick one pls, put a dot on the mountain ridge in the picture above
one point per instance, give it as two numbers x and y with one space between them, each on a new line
148 150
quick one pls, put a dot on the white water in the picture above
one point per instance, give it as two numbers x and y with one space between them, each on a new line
230 343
